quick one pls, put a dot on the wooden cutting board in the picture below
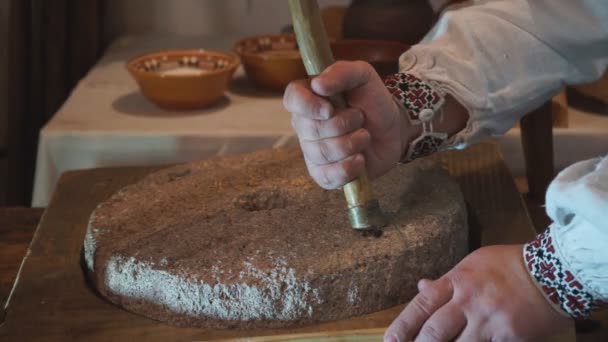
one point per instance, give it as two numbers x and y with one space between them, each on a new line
52 301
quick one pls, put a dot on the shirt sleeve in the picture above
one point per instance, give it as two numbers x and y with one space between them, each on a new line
577 202
503 58
569 262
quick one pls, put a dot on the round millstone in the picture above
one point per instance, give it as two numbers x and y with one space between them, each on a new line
250 241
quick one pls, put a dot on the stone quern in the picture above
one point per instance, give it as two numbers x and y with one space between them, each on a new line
250 241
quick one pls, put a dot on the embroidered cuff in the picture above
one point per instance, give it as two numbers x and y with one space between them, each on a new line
421 101
558 284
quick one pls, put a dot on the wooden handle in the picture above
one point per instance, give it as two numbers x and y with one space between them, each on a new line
317 55
313 42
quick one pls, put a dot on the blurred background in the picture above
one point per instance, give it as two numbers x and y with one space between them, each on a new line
49 46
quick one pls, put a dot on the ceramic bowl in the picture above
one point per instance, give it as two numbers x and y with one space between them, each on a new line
271 61
183 79
382 55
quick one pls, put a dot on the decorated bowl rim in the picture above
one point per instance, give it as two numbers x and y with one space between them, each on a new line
234 62
258 55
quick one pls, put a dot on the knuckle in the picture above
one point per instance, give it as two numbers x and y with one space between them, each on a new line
462 298
463 291
319 175
403 325
491 302
348 147
424 303
431 332
340 181
314 107
324 152
310 149
346 171
405 328
298 123
458 275
307 129
315 130
324 179
359 116
341 125
464 286
364 138
366 70
508 328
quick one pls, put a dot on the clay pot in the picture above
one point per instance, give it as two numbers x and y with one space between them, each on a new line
382 55
183 79
274 61
405 21
271 61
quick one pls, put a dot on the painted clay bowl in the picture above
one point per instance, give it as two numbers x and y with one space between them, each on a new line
271 61
183 79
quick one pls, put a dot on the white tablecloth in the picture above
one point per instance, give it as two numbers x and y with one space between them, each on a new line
107 122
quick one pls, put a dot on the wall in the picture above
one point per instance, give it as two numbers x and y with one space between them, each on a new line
4 9
4 22
249 17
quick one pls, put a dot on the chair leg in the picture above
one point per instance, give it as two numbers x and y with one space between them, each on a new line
559 110
537 141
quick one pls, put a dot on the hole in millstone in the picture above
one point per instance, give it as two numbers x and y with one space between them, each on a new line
373 232
261 199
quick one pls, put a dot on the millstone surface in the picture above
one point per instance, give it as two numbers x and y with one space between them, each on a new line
250 241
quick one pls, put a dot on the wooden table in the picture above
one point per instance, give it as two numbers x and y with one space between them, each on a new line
52 301
17 225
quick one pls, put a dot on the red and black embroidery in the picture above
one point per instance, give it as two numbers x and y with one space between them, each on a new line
426 145
421 102
414 94
558 283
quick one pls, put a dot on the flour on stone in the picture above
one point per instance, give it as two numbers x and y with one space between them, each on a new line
279 296
352 296
90 244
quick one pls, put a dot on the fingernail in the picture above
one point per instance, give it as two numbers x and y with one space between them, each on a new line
422 284
391 338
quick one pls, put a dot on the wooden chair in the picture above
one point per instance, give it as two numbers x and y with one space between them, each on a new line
537 143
